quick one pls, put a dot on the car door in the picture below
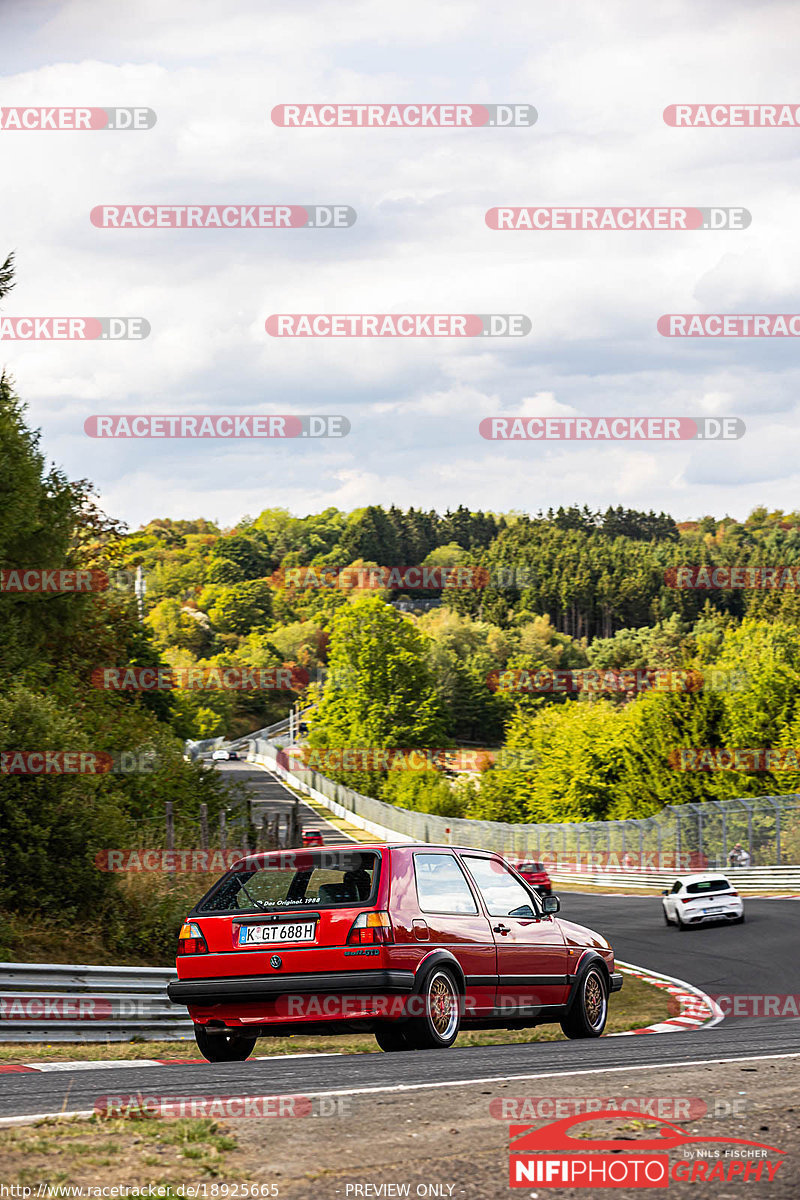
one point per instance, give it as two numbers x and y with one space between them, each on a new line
672 899
531 952
451 917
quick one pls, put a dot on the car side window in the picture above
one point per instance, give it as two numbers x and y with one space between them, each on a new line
676 887
503 894
442 886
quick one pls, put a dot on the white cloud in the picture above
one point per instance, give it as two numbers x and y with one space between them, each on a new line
600 78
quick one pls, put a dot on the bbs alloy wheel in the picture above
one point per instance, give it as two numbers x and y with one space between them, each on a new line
437 1025
588 1012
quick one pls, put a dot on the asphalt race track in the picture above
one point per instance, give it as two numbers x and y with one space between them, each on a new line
271 798
751 959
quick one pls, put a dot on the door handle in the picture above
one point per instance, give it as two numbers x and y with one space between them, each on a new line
501 929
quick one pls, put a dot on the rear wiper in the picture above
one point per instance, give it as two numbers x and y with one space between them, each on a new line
253 901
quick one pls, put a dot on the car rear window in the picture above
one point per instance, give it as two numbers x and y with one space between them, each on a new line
530 866
708 885
297 878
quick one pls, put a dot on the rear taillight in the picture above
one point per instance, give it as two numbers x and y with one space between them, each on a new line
191 940
369 928
688 899
732 893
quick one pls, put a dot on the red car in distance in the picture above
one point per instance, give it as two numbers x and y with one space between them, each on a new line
411 942
535 874
311 837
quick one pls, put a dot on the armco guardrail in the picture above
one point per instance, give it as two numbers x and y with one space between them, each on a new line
746 879
46 1002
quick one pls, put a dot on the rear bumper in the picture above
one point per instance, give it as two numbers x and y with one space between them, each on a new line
616 981
717 914
249 988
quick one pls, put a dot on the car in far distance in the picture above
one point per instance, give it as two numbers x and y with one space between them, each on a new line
697 899
221 755
535 874
312 837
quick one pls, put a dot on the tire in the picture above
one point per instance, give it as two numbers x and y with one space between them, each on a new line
223 1047
588 1011
739 920
437 1026
666 918
391 1036
682 925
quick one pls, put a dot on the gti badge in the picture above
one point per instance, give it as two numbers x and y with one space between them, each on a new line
276 961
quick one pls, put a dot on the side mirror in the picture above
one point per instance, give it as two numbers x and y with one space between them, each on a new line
550 905
665 892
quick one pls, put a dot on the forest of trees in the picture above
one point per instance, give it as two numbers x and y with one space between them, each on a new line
565 590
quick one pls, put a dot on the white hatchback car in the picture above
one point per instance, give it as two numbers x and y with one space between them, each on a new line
699 898
220 756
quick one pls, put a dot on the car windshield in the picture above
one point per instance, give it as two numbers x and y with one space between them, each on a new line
708 885
297 878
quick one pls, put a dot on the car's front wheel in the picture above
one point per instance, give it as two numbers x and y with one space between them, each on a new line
666 917
588 1011
436 1027
223 1047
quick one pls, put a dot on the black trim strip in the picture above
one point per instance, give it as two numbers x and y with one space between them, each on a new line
517 980
256 987
532 980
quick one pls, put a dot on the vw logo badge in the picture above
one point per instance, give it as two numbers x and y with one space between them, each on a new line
276 961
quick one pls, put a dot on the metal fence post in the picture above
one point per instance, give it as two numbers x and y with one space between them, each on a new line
223 833
170 834
203 826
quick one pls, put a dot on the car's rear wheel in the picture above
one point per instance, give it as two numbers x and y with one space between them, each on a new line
223 1047
739 920
589 1009
666 917
390 1037
437 1026
682 925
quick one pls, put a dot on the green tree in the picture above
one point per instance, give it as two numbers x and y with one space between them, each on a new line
379 692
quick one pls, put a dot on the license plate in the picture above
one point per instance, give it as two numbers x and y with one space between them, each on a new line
259 935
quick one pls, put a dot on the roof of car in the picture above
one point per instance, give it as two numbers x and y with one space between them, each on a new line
380 846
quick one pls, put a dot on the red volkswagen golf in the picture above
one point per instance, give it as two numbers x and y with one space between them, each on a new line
413 942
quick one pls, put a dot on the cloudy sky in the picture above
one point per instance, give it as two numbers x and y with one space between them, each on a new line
599 76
